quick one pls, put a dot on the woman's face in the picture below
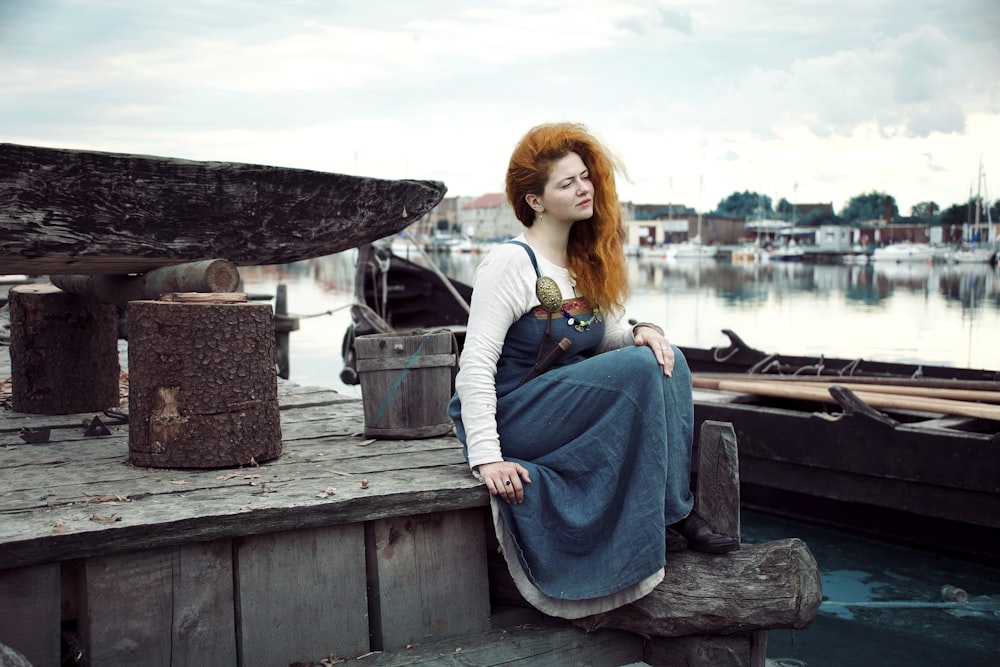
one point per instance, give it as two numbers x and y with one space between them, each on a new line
568 194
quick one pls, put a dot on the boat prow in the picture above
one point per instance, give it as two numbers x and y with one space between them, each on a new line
70 211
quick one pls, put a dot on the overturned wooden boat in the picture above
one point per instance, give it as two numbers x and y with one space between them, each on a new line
86 212
814 447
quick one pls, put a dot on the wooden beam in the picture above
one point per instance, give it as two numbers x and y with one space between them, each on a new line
210 275
768 586
72 212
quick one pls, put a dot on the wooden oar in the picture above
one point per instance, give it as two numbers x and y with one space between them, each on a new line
880 380
779 389
903 390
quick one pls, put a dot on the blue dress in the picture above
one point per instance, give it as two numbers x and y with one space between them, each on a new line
607 441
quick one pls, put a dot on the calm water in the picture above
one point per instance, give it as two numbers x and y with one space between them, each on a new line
918 313
880 598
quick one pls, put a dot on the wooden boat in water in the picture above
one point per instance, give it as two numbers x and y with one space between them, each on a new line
820 439
86 212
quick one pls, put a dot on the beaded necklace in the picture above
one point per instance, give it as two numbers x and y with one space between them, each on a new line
580 324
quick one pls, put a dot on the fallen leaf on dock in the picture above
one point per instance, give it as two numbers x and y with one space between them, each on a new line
60 527
106 498
328 491
104 520
365 443
240 475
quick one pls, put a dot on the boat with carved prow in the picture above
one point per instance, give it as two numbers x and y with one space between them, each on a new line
907 452
85 212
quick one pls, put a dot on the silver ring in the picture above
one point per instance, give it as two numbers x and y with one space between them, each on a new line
507 483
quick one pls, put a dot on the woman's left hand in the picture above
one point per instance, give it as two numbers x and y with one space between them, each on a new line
661 347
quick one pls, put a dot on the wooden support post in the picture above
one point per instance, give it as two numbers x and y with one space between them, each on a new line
169 606
281 332
202 385
427 578
63 352
210 275
717 495
29 613
300 596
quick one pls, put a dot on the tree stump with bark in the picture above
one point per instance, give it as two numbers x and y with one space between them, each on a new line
203 386
63 352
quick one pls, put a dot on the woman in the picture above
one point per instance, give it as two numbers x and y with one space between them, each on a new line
588 462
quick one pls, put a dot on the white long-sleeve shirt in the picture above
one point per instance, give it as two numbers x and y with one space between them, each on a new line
503 291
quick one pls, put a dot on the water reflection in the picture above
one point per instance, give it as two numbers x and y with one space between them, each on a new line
915 313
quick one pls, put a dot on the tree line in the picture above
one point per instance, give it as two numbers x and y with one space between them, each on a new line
869 206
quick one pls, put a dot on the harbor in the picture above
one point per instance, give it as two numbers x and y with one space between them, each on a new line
127 541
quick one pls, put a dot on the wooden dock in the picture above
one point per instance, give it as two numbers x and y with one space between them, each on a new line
342 547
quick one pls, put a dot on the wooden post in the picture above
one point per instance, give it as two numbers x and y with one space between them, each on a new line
202 385
63 352
717 495
280 332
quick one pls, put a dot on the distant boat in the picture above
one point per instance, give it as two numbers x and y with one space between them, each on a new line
788 252
905 252
693 249
750 253
972 254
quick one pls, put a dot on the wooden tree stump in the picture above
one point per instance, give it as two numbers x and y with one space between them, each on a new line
202 384
63 352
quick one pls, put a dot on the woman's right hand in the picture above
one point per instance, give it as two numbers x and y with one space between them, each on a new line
505 479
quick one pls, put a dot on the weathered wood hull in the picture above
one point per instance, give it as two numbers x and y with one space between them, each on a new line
68 211
738 357
901 475
929 482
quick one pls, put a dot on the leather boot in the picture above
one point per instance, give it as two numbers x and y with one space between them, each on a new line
675 541
701 537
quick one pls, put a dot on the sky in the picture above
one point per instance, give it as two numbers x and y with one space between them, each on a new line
807 100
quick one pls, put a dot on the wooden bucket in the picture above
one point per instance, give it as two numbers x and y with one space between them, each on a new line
406 383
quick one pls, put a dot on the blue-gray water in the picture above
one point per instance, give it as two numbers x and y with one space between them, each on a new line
881 606
918 313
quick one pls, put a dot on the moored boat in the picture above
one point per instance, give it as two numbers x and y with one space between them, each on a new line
904 252
818 446
87 212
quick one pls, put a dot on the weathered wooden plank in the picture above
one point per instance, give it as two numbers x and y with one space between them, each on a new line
525 646
191 515
918 497
427 577
166 607
717 496
29 612
740 650
69 211
301 596
860 445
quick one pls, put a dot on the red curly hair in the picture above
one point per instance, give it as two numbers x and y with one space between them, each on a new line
595 249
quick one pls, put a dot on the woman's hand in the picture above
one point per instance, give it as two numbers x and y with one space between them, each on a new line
505 479
660 346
